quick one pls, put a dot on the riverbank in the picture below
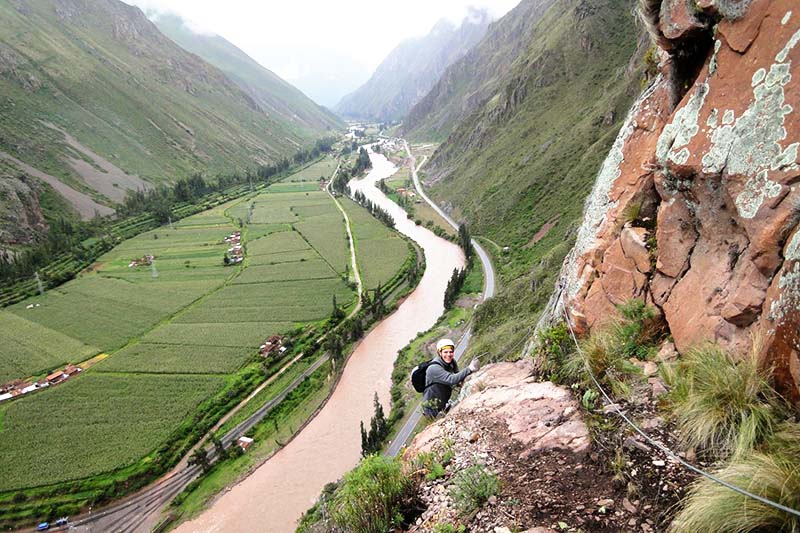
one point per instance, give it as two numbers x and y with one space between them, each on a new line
298 472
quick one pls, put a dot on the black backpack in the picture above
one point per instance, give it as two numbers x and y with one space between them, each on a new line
418 374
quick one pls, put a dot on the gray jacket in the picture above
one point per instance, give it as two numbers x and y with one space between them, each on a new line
439 383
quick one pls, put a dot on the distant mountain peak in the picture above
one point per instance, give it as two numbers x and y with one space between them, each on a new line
413 67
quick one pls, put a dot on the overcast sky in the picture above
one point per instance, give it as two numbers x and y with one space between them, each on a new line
310 39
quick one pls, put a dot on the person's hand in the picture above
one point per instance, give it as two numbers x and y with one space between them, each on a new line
474 365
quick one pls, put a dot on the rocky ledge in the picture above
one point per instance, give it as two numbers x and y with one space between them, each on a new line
552 476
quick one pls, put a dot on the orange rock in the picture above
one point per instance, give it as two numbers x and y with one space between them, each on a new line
722 168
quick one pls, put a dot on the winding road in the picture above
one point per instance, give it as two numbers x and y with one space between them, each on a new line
403 435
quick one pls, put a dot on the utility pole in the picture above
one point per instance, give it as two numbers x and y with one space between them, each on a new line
153 271
39 283
169 217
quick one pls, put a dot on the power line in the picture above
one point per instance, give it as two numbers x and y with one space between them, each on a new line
666 451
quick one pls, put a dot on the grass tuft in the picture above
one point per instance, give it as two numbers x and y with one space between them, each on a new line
723 405
472 487
608 351
371 497
773 473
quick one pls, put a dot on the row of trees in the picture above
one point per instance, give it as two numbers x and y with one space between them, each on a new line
454 287
374 209
372 440
465 242
362 163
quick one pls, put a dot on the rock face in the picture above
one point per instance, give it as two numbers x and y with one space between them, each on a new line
696 208
20 217
538 415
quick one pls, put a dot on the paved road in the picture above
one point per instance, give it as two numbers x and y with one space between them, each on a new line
488 291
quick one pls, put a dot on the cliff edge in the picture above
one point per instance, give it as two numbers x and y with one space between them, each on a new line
696 208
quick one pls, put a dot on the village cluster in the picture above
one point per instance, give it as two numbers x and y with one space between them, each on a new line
146 260
235 253
18 387
274 344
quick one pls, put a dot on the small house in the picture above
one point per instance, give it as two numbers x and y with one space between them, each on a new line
272 344
56 377
11 385
244 443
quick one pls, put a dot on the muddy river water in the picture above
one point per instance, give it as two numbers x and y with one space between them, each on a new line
275 496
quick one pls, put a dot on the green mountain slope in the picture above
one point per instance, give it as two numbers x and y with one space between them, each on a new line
520 165
96 102
477 76
274 95
412 68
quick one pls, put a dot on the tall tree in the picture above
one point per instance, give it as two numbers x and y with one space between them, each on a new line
464 240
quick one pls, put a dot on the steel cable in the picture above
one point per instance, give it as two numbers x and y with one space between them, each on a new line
666 451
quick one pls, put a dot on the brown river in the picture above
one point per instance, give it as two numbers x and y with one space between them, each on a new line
275 496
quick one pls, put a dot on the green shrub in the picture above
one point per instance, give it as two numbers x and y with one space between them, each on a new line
602 352
472 487
371 498
607 351
639 330
554 345
448 528
721 404
429 464
773 473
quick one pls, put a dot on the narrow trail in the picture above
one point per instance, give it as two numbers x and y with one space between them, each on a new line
353 261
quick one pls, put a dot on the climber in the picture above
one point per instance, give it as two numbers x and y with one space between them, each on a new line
441 376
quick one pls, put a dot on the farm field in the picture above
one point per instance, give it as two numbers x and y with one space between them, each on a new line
379 250
177 338
29 347
93 424
89 308
312 173
175 359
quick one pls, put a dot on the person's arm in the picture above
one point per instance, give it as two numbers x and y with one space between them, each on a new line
437 374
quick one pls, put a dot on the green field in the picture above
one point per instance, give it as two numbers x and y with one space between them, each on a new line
379 250
88 310
321 169
327 235
29 347
175 358
175 339
93 424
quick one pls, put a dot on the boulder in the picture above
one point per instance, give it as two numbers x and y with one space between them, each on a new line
538 415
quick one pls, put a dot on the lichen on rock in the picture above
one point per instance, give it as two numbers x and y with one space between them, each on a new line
722 168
